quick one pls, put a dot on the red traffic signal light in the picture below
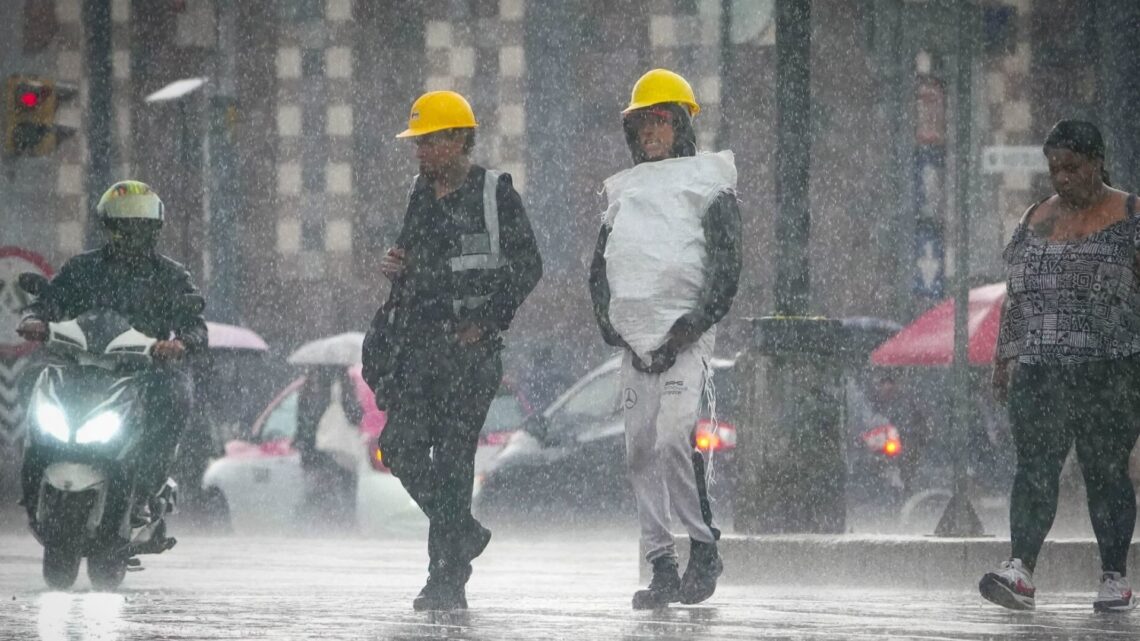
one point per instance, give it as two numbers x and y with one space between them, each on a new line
29 99
31 103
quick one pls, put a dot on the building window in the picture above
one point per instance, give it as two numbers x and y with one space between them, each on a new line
301 10
312 63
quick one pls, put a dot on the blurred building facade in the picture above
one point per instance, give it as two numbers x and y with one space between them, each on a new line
320 87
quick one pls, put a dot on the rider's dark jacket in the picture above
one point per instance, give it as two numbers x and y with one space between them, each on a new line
155 294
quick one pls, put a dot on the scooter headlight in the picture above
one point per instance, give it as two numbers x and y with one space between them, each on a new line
52 421
100 429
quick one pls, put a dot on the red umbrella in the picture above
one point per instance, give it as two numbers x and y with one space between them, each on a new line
929 340
224 336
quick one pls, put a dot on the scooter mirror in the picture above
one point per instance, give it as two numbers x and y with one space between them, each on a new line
33 283
193 303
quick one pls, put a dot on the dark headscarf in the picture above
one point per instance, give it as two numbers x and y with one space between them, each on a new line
684 137
1080 137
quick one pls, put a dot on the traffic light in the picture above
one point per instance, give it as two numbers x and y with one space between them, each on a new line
30 106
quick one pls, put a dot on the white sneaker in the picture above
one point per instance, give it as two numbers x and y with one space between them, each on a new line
1115 594
1010 587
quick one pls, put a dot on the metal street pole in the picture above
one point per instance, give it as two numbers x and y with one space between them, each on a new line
726 66
189 144
793 155
792 470
959 518
1116 22
225 191
97 31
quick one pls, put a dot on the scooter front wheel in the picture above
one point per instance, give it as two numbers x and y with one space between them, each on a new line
106 570
61 566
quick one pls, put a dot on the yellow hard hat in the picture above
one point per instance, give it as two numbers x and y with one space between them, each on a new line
436 111
662 85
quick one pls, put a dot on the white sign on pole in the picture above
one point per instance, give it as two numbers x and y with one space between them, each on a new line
1001 159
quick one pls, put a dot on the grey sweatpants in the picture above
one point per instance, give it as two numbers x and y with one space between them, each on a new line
660 414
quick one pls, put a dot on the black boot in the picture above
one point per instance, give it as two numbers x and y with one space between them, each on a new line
445 590
451 550
440 595
664 587
701 574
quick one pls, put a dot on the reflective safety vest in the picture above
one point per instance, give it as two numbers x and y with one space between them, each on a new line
478 254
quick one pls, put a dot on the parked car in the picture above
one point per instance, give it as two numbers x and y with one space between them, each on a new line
569 460
260 483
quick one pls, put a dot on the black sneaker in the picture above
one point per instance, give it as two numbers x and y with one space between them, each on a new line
701 574
664 588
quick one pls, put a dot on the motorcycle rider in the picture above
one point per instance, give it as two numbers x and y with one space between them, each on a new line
665 271
157 297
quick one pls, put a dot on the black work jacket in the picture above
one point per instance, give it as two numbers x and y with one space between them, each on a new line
431 236
722 230
153 294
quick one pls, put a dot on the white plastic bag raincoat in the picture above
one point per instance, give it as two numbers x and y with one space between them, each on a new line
655 255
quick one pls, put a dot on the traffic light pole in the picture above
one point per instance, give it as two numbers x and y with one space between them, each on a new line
959 519
97 28
225 193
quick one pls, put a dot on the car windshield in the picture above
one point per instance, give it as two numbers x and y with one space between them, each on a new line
282 420
597 400
506 413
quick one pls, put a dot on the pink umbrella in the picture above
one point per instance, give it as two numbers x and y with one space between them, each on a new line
929 340
224 336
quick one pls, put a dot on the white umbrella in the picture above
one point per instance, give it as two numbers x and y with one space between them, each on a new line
342 349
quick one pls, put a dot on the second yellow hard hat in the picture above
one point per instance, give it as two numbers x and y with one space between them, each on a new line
661 85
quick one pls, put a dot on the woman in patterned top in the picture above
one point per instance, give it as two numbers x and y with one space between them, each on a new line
1067 362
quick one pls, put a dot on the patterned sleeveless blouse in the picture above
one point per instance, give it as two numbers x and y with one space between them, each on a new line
1072 302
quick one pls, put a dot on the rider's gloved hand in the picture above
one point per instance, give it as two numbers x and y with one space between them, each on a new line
171 350
33 329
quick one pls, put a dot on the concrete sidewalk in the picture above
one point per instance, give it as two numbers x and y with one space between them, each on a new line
921 562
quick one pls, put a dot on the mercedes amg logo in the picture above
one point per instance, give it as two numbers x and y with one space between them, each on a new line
630 398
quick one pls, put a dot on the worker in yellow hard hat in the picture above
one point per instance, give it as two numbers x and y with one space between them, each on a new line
665 271
663 101
464 261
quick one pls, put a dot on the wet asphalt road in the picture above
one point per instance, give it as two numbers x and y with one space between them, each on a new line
554 586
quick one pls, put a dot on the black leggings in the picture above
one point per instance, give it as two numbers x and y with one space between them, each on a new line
1091 405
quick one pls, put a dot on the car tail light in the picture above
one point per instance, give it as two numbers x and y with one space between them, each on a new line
884 439
495 438
376 457
718 437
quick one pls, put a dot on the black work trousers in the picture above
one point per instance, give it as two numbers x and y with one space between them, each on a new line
166 395
443 392
1094 407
